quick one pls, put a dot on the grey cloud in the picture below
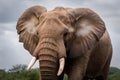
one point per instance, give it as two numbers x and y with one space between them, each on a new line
1 32
10 9
110 12
7 27
11 51
113 24
52 4
115 38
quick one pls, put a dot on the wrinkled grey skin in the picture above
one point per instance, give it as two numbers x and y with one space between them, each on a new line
78 35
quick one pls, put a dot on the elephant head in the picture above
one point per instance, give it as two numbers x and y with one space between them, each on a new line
55 35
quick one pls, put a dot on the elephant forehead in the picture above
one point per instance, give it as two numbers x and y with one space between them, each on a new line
54 14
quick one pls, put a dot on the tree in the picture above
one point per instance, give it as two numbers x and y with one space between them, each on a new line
18 68
2 73
114 70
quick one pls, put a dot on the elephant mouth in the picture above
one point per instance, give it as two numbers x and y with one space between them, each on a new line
43 46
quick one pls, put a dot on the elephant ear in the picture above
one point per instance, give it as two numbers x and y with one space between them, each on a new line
27 27
89 29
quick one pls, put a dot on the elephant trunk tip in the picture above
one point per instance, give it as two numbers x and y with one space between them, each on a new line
32 62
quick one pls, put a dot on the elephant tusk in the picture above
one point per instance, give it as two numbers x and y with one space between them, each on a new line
32 62
61 67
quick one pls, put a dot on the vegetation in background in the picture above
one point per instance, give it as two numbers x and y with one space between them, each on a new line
19 72
114 74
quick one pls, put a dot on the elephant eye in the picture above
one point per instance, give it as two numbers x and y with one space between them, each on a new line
65 34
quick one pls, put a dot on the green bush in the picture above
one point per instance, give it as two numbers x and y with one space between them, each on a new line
114 74
19 74
65 77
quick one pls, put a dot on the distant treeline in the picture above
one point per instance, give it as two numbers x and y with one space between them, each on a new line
19 72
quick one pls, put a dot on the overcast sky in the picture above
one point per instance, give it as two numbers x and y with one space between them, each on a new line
12 52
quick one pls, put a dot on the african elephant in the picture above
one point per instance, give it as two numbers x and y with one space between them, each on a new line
66 40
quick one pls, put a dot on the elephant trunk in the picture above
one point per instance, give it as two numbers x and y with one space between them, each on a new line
48 55
48 65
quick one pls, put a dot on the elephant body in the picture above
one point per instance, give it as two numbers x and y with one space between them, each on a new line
66 40
95 65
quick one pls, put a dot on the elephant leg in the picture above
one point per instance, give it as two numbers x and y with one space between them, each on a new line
106 69
78 67
75 74
87 78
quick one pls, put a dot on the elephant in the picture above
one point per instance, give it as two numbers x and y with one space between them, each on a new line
74 41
